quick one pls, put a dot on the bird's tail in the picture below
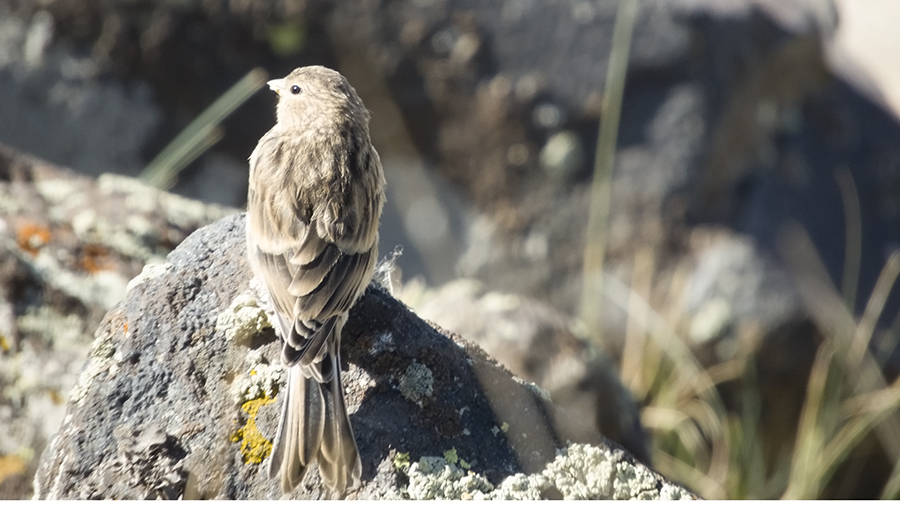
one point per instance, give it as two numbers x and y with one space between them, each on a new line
315 426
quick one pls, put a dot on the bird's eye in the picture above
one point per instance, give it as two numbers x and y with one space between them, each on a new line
295 89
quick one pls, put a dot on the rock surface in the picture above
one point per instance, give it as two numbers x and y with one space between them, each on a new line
179 397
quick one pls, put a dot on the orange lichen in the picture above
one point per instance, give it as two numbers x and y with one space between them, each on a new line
32 238
95 258
11 465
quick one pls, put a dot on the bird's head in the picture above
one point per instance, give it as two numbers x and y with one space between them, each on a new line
310 96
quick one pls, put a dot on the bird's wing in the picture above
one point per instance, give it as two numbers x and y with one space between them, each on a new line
311 280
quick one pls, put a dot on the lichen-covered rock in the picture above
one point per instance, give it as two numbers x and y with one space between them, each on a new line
68 246
180 400
578 472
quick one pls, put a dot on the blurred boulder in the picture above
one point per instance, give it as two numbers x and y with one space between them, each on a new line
104 86
732 123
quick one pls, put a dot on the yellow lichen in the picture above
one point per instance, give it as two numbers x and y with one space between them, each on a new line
254 446
401 461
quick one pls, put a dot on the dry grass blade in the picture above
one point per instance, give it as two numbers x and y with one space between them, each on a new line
633 353
892 488
804 481
656 417
853 229
708 486
691 377
874 404
603 165
870 410
835 321
814 285
874 308
871 402
201 134
690 391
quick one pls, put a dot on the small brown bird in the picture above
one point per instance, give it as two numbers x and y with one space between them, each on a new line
314 201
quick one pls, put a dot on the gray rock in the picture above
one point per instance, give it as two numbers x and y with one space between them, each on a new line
176 401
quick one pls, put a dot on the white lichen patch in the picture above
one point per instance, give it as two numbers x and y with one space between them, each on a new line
102 288
100 360
140 196
103 347
62 332
259 380
365 380
91 227
671 492
417 383
8 204
59 191
184 212
534 388
520 487
582 472
587 472
243 319
435 478
149 272
180 211
384 342
142 228
84 224
578 472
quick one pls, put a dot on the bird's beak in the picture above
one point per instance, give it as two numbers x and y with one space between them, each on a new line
276 85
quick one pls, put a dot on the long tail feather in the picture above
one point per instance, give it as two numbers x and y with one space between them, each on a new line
300 430
315 426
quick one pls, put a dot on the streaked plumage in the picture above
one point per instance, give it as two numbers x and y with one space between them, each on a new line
315 197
